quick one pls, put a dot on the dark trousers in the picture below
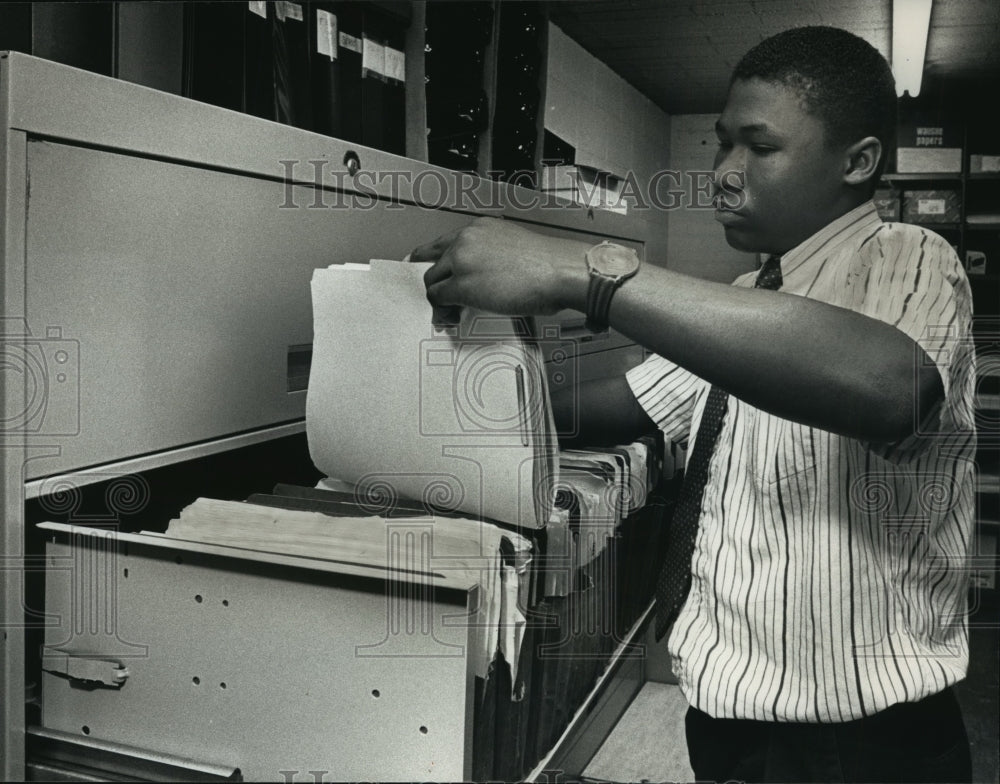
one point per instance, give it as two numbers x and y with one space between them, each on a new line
910 742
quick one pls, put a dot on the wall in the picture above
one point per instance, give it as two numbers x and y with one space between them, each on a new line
695 243
612 125
616 128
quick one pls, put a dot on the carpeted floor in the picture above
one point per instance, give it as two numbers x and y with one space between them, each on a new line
648 742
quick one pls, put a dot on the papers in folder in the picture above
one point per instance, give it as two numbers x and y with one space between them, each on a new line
455 417
407 543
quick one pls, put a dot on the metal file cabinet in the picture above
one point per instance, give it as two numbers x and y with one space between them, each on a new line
157 254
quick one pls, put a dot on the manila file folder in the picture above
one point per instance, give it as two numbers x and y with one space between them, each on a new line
456 417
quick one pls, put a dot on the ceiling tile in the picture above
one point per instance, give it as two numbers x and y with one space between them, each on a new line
680 53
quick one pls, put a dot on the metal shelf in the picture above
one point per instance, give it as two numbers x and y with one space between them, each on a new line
988 483
949 226
923 177
988 401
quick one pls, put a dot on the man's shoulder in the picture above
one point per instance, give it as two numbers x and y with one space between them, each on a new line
906 236
906 256
901 246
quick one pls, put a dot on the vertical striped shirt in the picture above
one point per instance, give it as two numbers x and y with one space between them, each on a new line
829 575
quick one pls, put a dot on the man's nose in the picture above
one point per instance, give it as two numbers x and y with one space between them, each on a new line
728 188
730 168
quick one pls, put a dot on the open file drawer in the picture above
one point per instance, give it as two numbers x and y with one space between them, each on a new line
264 662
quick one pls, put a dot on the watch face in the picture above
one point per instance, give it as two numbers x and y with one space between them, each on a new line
613 260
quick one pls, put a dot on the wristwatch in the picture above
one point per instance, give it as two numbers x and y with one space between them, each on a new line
609 265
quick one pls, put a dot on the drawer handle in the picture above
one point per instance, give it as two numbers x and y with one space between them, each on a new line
82 667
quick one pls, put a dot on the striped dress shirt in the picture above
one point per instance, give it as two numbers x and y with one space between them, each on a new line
830 575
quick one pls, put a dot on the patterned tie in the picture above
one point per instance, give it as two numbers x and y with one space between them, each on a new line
674 581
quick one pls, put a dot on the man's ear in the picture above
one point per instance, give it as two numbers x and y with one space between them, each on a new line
861 160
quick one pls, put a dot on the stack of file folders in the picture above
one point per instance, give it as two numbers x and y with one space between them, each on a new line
594 571
410 541
559 600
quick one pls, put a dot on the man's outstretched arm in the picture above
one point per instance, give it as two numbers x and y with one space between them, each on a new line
797 358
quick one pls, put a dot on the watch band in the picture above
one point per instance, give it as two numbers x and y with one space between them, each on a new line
599 294
609 265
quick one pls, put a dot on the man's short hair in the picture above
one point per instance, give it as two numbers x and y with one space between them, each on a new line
842 79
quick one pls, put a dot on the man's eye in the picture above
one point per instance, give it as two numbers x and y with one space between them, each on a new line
762 149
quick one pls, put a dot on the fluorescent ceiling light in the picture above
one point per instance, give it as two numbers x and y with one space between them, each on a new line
911 21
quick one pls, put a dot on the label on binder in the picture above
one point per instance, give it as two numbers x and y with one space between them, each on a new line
288 10
930 206
259 8
326 33
372 58
350 42
395 64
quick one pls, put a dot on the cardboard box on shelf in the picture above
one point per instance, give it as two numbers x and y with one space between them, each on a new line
888 204
979 164
933 160
975 262
928 145
933 206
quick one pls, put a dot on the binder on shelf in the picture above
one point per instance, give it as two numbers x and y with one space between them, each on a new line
383 96
350 35
78 34
258 56
213 53
291 65
150 45
325 76
456 101
515 120
15 27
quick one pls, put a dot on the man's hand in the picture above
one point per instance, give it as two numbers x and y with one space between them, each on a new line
498 266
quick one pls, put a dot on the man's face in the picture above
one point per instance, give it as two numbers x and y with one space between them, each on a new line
792 180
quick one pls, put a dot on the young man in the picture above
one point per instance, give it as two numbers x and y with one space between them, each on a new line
825 620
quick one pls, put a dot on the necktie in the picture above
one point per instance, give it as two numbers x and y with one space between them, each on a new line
674 581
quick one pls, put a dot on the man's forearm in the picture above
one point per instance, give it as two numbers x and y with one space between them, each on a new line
797 358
